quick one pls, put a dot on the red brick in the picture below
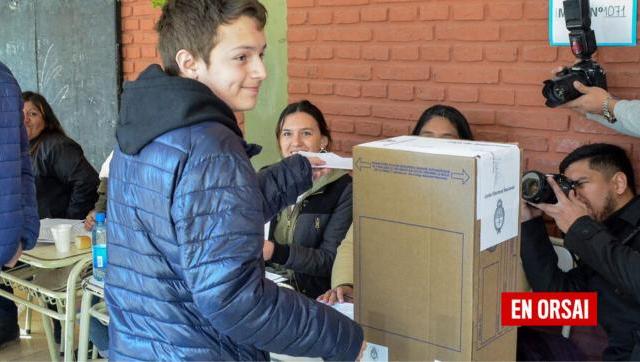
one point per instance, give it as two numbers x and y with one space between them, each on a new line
401 92
619 55
582 125
395 33
299 3
394 129
148 52
345 108
430 93
400 72
356 72
491 136
434 11
468 11
297 34
130 24
524 76
374 14
320 17
536 9
127 38
480 116
567 144
525 31
298 52
342 125
465 53
552 119
543 162
346 145
375 53
374 90
320 52
147 24
303 70
532 143
543 53
505 11
298 87
126 11
132 52
145 38
405 53
403 13
530 97
354 34
296 17
347 90
501 53
346 17
468 32
321 88
127 66
341 2
144 10
462 94
616 140
435 53
497 96
466 74
347 52
405 112
367 128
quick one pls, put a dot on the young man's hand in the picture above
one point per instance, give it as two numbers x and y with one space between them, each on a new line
267 250
567 210
14 260
528 212
339 294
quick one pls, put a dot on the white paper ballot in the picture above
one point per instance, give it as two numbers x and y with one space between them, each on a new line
276 278
266 230
345 308
332 160
375 353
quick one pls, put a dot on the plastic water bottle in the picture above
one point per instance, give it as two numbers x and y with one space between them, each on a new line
99 244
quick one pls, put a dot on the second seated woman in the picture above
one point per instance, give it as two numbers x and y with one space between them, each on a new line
66 184
304 237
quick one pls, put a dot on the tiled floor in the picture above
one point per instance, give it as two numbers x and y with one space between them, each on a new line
30 348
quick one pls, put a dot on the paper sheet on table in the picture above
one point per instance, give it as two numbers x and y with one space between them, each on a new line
332 160
345 308
46 224
275 277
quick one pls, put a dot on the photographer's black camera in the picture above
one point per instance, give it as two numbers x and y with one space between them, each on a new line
536 189
560 90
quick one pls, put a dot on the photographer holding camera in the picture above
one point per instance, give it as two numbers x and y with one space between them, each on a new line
600 106
600 216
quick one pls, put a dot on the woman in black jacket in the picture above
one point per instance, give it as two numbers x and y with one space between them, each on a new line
304 237
66 184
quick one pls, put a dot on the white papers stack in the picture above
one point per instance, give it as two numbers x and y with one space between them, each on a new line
345 308
47 224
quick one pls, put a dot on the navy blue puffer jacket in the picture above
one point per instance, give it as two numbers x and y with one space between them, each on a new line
185 224
18 210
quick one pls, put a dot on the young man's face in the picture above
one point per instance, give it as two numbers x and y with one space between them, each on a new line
594 189
236 69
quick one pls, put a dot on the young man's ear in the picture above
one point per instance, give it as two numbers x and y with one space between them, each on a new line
620 182
187 64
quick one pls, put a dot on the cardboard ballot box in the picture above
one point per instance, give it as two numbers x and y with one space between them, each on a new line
436 243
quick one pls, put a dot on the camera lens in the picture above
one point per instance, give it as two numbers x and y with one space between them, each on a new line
531 185
559 92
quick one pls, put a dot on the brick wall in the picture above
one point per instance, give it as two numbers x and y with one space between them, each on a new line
373 66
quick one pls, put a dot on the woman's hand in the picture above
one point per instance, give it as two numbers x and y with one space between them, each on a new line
90 220
339 294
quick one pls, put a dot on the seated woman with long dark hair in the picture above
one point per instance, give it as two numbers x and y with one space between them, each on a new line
66 184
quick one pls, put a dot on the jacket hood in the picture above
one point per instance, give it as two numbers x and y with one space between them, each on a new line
157 103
